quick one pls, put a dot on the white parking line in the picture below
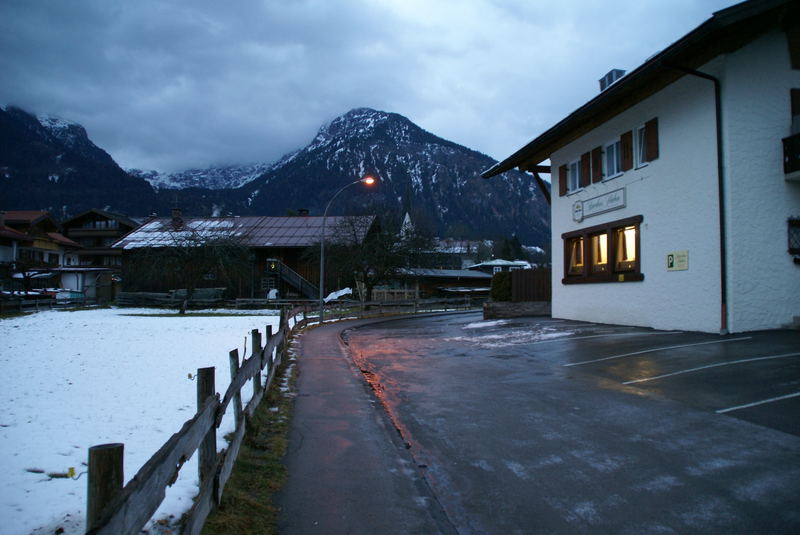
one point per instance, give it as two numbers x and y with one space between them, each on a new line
567 338
742 361
658 349
756 403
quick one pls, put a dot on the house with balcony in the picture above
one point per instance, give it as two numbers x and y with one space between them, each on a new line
676 190
97 231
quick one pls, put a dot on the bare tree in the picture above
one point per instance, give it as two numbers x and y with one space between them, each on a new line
378 257
188 258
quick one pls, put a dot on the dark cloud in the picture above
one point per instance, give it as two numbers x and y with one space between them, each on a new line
176 84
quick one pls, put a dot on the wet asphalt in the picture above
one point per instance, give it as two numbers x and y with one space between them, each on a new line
539 425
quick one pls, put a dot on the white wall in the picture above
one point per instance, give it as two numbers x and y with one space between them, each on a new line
763 281
677 197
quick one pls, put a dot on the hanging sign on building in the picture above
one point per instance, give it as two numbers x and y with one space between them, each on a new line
678 261
613 200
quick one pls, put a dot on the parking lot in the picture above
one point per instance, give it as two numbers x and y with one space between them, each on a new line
541 425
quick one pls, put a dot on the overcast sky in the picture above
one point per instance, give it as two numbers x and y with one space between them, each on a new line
171 85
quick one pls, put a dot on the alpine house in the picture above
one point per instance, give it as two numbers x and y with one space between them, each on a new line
676 190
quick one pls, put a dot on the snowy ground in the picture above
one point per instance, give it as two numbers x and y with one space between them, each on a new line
77 379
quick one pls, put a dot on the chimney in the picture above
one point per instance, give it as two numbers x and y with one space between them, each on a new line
177 220
611 76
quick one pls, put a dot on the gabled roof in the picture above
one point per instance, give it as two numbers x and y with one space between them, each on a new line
259 231
24 217
63 240
11 234
444 273
125 220
726 31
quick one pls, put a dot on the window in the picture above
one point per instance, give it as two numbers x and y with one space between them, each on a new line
574 176
625 253
496 269
794 235
599 245
611 250
641 144
575 256
613 163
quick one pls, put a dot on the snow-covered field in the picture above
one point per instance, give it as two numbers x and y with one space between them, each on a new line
78 379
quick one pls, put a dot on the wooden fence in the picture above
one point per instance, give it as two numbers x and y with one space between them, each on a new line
531 285
114 510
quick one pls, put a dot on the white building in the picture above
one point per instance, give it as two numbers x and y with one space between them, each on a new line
675 202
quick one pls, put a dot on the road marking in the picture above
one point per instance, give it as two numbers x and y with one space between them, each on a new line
755 403
742 361
658 349
567 338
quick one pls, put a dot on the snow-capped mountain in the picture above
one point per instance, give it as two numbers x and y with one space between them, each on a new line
51 164
437 180
222 177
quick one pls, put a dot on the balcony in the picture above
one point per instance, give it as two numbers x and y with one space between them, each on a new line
791 157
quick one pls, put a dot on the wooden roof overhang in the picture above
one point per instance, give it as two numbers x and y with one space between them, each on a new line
726 31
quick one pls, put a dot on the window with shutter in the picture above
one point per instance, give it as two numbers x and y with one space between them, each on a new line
562 180
597 164
626 150
651 139
586 172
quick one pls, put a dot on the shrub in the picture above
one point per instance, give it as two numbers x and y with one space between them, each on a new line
501 286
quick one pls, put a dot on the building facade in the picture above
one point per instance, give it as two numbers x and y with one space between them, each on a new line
671 202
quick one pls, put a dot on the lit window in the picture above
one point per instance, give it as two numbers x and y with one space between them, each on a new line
599 245
612 253
613 163
575 256
625 256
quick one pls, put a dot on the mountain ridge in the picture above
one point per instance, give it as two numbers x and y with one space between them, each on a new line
435 179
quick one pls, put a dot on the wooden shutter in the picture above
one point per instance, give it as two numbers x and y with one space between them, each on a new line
651 139
586 178
562 180
626 150
597 164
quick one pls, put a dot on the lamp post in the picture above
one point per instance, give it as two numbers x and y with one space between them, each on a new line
368 180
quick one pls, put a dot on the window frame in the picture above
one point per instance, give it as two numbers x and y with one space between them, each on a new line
792 231
617 160
574 176
640 146
612 272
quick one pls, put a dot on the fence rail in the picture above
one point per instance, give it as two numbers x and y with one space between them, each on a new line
126 510
114 510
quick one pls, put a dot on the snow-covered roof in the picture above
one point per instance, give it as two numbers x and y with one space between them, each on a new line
445 273
502 263
256 231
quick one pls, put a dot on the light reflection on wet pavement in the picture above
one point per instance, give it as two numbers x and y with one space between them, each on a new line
519 433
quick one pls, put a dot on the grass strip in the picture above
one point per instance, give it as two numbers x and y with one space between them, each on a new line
246 507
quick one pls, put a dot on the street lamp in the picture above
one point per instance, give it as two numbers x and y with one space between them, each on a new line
368 180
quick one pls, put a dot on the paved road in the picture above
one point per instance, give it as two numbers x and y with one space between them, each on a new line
548 426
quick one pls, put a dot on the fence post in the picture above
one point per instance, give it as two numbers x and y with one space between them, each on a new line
256 337
207 452
105 479
233 357
268 358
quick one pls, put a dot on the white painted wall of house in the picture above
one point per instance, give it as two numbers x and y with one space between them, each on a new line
677 197
763 281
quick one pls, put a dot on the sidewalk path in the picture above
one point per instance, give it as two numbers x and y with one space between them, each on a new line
349 471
